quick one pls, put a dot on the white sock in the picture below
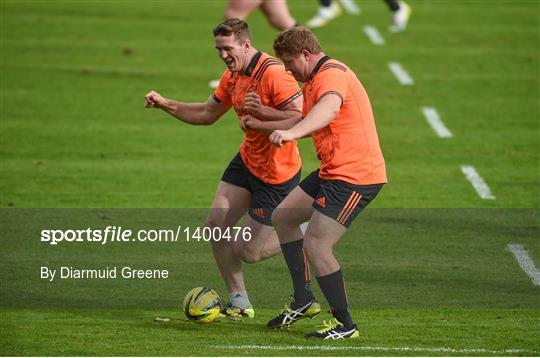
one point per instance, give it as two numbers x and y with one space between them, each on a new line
239 299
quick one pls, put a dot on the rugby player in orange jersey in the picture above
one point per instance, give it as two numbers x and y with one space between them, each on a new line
338 116
265 97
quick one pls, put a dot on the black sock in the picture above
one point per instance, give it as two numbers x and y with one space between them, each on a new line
333 288
393 5
299 269
326 3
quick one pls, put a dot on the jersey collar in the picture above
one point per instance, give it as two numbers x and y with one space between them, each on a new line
252 64
318 66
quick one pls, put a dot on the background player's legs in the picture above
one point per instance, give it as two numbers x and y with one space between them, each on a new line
278 15
264 242
400 15
230 203
241 9
327 11
321 236
393 5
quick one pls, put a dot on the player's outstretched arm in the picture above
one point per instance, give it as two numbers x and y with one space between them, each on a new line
192 113
320 116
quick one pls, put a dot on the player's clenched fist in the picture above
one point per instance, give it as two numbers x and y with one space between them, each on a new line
252 103
279 137
154 99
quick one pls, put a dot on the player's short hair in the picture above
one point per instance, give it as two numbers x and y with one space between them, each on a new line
294 41
238 28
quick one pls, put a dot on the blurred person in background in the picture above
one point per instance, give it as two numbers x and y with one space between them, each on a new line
329 10
276 12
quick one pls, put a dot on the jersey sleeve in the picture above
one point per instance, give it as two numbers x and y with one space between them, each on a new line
221 94
281 86
332 80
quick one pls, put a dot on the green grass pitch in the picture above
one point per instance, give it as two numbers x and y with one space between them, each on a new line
427 268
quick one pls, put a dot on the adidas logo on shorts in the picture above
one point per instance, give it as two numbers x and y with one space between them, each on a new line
259 212
321 201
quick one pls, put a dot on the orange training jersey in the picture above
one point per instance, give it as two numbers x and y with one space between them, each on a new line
277 88
348 147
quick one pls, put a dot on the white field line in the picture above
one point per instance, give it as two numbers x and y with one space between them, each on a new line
403 77
435 122
373 348
477 182
351 6
525 262
374 35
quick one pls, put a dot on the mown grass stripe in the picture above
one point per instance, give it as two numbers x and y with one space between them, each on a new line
375 348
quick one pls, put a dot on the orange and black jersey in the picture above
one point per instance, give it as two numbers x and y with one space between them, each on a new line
348 147
267 77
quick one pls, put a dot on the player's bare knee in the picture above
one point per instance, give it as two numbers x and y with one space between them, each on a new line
248 254
280 218
276 218
214 221
251 258
217 218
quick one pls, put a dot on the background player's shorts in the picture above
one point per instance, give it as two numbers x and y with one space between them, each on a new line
264 197
338 199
